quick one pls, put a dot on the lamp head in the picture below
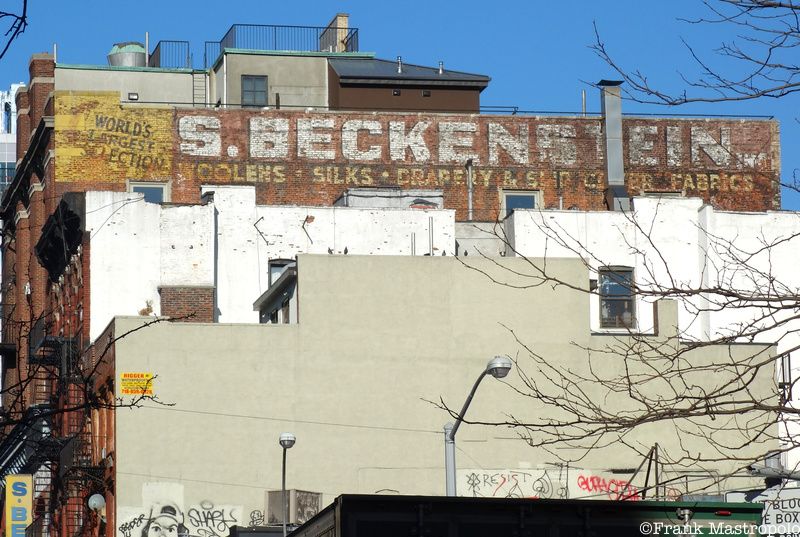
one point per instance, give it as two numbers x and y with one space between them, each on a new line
96 502
287 440
499 366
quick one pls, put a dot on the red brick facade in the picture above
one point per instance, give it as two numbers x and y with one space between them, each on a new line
188 304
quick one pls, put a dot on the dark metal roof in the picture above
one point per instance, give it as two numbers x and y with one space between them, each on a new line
375 71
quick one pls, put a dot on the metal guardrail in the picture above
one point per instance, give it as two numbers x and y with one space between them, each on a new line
294 38
171 55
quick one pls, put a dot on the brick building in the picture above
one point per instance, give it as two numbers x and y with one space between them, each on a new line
320 125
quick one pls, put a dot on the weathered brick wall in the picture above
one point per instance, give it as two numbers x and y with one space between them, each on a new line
42 80
100 143
312 157
297 157
23 121
188 304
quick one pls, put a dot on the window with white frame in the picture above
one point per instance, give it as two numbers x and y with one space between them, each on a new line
519 199
617 301
153 192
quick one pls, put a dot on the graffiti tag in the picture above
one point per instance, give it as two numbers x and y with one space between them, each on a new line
210 521
615 489
127 528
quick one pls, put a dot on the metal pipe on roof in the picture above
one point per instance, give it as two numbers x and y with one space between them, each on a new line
583 102
224 79
468 166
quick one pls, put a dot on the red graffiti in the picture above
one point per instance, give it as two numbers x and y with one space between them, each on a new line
615 489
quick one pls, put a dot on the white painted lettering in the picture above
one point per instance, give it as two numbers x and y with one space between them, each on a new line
308 138
704 143
515 146
556 144
640 145
454 138
674 146
269 137
350 131
205 142
399 141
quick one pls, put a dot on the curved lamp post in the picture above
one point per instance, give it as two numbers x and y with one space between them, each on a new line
498 367
286 441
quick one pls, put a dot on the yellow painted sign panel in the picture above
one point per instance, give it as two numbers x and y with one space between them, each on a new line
136 384
19 504
99 140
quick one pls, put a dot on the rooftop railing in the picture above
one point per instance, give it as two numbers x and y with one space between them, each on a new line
294 38
171 55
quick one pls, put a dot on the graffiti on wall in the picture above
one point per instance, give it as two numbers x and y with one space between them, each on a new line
527 483
209 520
555 481
256 518
610 488
164 515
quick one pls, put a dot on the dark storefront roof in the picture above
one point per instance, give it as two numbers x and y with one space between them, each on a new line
442 516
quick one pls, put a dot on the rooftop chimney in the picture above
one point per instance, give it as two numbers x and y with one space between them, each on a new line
399 64
441 68
611 106
333 38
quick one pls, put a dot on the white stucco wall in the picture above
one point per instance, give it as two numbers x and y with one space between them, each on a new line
249 236
684 244
678 243
137 246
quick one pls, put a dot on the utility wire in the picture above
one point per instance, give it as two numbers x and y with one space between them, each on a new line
291 420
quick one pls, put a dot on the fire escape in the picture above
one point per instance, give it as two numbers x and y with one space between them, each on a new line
55 351
72 476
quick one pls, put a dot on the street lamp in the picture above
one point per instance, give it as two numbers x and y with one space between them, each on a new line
286 440
498 367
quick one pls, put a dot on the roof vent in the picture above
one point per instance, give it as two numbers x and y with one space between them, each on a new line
441 68
399 64
127 54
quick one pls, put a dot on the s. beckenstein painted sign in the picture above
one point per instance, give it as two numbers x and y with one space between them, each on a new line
311 157
19 504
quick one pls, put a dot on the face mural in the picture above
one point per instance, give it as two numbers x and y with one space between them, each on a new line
165 521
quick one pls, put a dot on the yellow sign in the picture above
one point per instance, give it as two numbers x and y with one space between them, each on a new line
136 384
19 504
100 140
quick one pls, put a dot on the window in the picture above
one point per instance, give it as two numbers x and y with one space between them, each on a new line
276 268
285 311
254 90
7 118
616 298
153 192
426 93
519 200
396 92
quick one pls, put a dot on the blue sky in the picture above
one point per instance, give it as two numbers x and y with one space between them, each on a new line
537 52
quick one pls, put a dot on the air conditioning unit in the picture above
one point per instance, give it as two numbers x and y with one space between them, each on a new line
302 506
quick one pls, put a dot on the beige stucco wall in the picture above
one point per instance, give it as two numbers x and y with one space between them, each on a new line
302 81
153 86
378 339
